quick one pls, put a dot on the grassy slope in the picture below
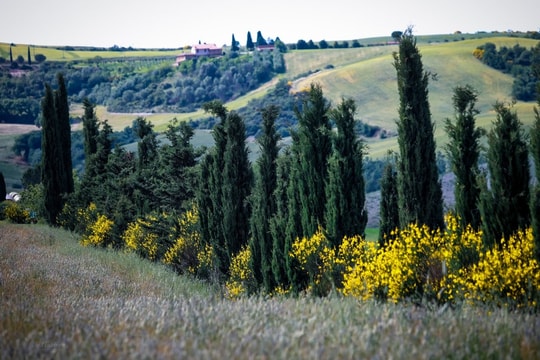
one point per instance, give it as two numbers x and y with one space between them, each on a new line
372 82
61 301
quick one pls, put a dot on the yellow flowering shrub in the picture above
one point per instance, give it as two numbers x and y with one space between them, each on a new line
183 254
506 275
205 261
317 258
138 237
241 277
449 265
98 233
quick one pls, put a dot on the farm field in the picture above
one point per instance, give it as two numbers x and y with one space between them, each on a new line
61 300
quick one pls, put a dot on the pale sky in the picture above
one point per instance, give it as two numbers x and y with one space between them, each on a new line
173 24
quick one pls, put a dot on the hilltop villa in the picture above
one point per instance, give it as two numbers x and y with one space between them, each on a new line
210 50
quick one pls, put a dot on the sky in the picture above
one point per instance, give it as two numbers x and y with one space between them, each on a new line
174 24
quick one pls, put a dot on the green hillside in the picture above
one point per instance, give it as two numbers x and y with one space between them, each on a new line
370 80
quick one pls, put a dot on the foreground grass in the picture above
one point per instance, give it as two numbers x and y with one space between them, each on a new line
60 300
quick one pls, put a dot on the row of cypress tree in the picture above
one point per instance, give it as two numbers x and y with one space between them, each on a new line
315 182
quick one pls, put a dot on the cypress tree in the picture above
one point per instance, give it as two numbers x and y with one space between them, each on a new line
10 55
260 39
420 193
90 130
389 210
463 150
234 44
313 145
209 197
249 42
237 182
264 202
345 194
50 158
504 207
64 136
29 58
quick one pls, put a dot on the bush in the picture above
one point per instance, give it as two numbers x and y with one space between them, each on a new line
40 58
16 213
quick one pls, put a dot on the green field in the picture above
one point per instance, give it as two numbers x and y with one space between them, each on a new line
64 301
56 53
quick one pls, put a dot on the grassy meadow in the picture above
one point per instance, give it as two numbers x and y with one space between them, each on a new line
64 301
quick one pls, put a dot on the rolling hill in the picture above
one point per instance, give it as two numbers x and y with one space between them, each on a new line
365 74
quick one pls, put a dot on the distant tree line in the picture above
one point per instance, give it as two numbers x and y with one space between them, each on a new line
517 61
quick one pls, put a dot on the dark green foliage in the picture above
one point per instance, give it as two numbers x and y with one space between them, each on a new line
345 194
2 187
504 204
313 144
420 193
463 150
29 57
389 208
264 202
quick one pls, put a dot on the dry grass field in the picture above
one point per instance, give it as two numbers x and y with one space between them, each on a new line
60 300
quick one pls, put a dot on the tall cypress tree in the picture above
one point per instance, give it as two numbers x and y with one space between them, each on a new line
29 58
463 150
389 210
51 156
504 207
237 182
263 200
345 194
64 135
420 193
209 194
314 145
